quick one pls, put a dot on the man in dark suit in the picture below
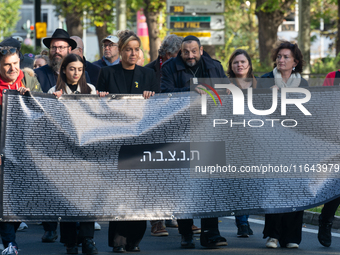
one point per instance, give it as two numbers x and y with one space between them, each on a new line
91 69
60 45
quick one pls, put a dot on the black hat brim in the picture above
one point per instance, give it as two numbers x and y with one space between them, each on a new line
71 42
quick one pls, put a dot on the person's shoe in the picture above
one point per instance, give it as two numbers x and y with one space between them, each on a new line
292 245
250 231
324 233
158 229
132 248
212 239
10 250
272 242
171 223
49 236
22 226
97 226
119 249
89 247
242 231
195 230
187 242
71 249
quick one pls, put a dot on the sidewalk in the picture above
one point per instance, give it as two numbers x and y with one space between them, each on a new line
313 219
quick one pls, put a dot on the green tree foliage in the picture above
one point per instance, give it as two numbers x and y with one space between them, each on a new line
152 11
9 16
240 31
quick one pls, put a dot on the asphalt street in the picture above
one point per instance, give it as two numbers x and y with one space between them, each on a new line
30 243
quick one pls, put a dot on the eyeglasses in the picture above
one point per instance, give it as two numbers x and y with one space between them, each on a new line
6 51
60 48
109 45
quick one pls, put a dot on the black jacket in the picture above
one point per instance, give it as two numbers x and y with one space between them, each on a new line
111 79
155 65
176 79
267 83
47 78
93 71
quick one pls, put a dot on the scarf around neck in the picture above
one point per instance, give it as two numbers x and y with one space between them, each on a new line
293 81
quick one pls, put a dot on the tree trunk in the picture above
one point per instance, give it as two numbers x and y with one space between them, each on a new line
269 22
153 29
74 24
304 32
338 35
101 34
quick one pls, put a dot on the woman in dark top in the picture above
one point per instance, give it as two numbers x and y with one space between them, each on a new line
127 78
240 73
284 228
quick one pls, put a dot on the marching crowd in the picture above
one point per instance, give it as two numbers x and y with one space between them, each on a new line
63 69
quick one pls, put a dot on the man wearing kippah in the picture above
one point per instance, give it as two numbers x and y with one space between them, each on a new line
193 62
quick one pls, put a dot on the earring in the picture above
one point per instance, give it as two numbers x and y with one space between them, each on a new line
294 68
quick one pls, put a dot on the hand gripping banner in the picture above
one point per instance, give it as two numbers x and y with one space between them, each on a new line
180 155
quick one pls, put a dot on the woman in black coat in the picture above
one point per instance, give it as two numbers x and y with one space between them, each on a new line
127 78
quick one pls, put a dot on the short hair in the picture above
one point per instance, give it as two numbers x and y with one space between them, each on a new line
171 44
7 51
296 52
190 41
84 88
125 37
237 52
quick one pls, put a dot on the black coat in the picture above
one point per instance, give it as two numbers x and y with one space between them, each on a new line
176 79
155 66
111 79
47 78
267 83
93 71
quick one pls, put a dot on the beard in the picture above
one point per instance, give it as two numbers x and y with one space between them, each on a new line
55 62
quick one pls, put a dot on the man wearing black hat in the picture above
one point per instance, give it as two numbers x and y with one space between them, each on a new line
60 45
192 62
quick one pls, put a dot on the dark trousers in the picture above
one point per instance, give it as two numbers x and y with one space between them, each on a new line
70 235
50 226
122 233
184 226
7 232
286 227
329 209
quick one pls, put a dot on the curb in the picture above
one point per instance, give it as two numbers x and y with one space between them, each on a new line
313 218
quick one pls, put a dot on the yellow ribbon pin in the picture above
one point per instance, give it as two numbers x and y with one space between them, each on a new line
136 84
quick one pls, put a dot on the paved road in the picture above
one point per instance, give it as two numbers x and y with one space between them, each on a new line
30 243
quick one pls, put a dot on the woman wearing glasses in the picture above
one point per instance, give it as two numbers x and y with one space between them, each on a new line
284 228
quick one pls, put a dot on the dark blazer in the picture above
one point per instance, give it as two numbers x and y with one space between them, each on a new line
155 66
111 79
48 79
93 71
265 84
176 79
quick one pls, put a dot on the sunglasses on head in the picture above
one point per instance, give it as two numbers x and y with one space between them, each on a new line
5 51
